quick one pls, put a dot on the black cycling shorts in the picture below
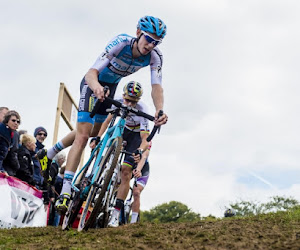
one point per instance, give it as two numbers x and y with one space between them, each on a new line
87 101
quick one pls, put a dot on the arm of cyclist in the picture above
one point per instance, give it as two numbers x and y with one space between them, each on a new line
137 172
158 100
142 148
91 79
104 125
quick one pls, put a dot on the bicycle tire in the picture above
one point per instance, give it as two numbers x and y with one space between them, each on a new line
74 206
127 216
73 209
110 202
113 151
90 197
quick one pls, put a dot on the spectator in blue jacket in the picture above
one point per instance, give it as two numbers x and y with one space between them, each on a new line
11 163
9 125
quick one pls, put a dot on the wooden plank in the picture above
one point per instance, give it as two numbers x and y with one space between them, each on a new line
58 112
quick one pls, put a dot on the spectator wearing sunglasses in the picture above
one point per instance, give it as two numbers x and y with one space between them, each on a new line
10 163
40 134
8 127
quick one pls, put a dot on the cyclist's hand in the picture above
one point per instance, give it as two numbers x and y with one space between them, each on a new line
137 173
99 93
136 157
161 120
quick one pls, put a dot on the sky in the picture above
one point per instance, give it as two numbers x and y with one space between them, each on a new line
230 79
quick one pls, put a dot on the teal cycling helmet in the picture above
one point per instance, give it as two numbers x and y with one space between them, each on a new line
152 25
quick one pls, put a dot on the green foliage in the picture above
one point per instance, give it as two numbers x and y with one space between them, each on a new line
210 217
277 203
173 211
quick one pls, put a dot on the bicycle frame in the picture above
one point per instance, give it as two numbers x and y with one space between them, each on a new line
112 132
93 178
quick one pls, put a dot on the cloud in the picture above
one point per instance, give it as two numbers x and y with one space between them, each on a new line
230 77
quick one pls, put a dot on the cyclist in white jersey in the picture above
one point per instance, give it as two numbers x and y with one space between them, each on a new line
123 56
135 134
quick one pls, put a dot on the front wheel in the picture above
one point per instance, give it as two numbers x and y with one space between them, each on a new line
97 192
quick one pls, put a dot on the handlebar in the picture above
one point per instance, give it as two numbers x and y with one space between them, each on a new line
155 129
128 108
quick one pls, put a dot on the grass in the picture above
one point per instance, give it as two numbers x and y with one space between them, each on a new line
279 230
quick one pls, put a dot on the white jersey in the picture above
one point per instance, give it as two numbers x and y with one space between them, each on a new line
137 123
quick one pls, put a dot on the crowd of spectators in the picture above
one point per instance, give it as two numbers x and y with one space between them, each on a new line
18 158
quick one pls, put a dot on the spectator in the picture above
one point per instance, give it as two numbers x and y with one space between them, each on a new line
40 133
57 187
8 126
22 131
25 173
3 111
56 180
56 164
11 163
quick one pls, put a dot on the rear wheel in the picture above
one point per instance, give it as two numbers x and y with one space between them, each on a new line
97 192
76 202
107 207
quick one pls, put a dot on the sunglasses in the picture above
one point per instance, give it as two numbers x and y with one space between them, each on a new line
42 134
128 100
14 120
150 39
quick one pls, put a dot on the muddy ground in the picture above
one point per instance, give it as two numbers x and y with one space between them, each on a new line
260 232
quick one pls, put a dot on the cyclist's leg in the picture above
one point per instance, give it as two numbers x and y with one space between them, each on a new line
133 141
126 174
136 203
96 129
82 134
141 183
66 142
83 130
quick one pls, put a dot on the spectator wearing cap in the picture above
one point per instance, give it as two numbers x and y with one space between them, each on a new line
8 127
40 134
